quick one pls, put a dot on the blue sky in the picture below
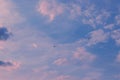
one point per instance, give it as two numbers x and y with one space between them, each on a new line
59 40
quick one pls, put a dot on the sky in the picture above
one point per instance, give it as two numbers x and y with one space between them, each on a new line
59 39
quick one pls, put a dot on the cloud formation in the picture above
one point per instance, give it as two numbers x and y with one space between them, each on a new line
37 46
50 8
97 36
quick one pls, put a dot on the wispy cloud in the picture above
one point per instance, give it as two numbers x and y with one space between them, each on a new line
61 61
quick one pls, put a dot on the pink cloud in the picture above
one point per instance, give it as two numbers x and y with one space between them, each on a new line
61 61
83 55
34 45
50 8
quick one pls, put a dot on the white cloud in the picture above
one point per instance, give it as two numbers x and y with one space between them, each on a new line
97 36
117 18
